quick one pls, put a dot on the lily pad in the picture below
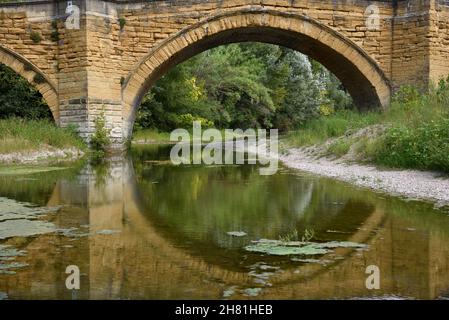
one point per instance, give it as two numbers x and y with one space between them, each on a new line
317 261
252 292
5 267
108 232
340 244
12 265
237 233
12 210
283 248
24 228
10 253
229 292
20 219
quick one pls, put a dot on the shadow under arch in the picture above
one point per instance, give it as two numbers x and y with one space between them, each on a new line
358 72
30 72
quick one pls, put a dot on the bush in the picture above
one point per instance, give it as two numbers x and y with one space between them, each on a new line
121 22
423 147
35 37
100 141
186 121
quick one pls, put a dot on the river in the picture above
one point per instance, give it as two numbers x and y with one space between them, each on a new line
139 227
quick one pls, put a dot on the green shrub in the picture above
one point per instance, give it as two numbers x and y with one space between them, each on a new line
100 141
121 22
35 37
54 36
38 78
54 24
186 121
423 147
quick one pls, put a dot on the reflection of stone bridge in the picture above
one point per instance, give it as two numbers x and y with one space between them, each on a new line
138 262
122 47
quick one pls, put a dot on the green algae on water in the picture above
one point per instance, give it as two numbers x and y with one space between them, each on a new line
25 170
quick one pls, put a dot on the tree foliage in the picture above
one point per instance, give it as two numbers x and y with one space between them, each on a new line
246 85
19 99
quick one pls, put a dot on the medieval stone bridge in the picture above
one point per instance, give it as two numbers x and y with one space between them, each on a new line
86 56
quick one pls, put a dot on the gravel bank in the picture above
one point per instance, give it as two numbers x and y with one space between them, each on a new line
407 183
48 154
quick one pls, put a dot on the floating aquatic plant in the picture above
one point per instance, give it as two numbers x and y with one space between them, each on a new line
237 233
20 219
283 248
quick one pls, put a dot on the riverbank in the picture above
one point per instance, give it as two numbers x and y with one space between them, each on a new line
38 142
411 184
413 133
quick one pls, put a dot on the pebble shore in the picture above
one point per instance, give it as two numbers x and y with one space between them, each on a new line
411 184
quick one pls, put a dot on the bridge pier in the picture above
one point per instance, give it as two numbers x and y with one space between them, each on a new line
100 57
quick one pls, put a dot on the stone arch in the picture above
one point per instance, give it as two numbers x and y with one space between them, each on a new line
359 73
34 76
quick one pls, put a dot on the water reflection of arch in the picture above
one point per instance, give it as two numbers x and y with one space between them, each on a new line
182 262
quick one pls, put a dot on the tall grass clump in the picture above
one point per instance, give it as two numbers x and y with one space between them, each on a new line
335 125
18 135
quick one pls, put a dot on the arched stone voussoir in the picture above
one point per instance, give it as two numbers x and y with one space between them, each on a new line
359 73
27 70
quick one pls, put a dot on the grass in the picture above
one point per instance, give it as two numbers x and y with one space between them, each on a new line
18 135
416 134
321 129
340 147
151 136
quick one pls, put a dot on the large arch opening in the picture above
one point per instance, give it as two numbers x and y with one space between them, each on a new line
359 73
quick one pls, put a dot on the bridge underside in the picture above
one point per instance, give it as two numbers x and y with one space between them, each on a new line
121 48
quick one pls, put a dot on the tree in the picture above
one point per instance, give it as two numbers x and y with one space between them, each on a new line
245 85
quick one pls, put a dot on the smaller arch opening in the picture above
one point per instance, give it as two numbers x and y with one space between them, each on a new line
38 82
18 98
